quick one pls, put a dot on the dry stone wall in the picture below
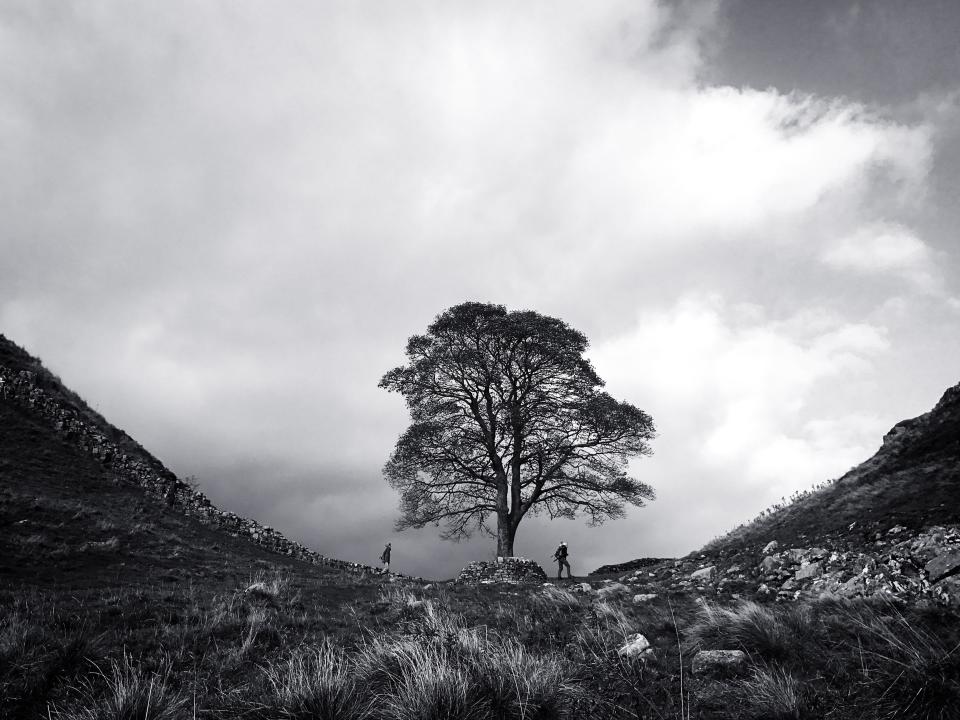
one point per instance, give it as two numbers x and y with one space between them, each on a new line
22 388
507 570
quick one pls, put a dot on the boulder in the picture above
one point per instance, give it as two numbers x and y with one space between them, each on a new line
636 646
583 587
643 598
770 547
770 563
795 556
943 565
719 663
704 574
947 591
806 572
612 590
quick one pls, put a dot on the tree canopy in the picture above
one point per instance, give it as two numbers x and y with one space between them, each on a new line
508 418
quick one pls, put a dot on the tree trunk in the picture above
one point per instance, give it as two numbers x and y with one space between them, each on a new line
505 534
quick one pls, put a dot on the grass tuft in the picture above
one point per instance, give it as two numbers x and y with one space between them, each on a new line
131 693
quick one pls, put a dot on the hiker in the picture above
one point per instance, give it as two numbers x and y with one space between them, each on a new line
561 557
385 558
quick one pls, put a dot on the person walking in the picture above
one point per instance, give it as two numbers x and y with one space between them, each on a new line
385 558
561 557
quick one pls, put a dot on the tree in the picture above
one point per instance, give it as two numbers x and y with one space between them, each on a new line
507 418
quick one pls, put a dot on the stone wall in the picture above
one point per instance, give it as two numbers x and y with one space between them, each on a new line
508 570
22 388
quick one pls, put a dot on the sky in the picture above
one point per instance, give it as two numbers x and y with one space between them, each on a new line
220 222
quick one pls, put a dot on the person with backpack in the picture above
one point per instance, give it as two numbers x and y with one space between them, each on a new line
385 558
561 557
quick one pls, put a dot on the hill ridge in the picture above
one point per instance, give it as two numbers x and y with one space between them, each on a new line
27 384
915 449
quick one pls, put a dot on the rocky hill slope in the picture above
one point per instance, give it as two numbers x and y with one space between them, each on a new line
68 477
889 527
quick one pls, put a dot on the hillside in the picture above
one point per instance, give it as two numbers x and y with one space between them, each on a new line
125 594
888 529
56 449
913 481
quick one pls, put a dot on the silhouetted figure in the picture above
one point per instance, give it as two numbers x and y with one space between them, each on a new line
385 558
561 557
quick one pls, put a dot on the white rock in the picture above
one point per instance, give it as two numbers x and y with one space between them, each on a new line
611 590
770 547
719 662
636 646
704 574
643 598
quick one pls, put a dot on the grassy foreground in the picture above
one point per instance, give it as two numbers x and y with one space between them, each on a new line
289 646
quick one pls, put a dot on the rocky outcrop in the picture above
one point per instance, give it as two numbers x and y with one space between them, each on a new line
627 566
505 570
130 464
898 565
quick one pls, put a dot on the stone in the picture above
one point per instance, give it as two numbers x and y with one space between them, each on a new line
771 563
583 587
770 547
636 646
809 571
719 663
947 591
612 590
641 598
704 574
795 555
943 565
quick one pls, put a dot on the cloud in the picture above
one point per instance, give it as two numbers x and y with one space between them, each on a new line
222 222
885 249
739 398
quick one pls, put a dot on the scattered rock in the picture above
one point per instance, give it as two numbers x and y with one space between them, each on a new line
636 646
943 565
612 590
947 591
807 572
770 563
704 574
719 663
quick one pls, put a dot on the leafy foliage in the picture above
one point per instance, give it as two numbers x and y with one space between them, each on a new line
508 418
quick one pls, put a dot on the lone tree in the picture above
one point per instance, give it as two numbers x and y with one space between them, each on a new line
507 418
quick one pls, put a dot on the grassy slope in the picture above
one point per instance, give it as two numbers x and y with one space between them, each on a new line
913 481
15 358
107 597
